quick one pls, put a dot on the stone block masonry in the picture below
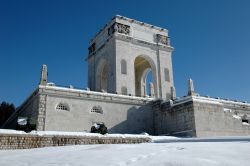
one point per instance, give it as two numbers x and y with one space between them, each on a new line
28 141
74 110
175 119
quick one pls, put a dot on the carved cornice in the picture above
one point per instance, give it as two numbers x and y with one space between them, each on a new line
113 21
140 23
127 38
154 46
93 96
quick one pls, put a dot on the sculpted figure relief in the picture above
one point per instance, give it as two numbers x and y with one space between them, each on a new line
162 39
120 28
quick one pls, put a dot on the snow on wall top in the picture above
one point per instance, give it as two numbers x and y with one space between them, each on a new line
209 100
95 93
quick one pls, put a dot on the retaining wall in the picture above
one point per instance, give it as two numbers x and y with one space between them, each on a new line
28 141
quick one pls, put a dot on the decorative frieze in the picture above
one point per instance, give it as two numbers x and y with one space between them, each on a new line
144 43
120 28
163 39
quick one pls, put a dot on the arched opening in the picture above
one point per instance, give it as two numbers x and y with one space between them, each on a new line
145 76
102 76
149 84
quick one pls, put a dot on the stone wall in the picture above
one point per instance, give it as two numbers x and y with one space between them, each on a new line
199 116
28 141
121 114
213 120
113 45
177 120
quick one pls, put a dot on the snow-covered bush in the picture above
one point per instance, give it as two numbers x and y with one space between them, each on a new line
99 128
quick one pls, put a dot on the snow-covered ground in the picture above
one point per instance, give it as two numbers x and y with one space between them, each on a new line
148 154
164 151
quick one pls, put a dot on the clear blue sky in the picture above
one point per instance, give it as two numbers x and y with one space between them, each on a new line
211 40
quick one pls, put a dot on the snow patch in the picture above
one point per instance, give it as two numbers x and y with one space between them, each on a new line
206 100
95 93
245 123
77 134
236 117
22 121
163 138
227 110
6 131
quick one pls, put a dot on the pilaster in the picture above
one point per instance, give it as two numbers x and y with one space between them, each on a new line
41 112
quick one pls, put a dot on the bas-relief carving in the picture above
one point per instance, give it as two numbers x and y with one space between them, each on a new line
162 39
143 43
120 28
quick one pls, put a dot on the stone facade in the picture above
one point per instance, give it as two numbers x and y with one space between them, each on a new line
120 113
175 119
134 43
216 117
198 116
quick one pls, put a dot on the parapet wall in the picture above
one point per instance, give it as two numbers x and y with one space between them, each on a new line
199 116
120 113
175 120
28 141
212 119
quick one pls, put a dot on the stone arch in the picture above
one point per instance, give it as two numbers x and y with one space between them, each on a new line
102 76
143 64
123 66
